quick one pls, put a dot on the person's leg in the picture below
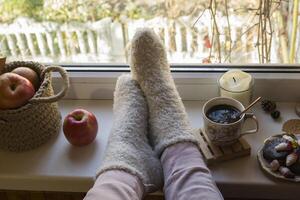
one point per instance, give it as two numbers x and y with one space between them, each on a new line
186 175
116 185
128 149
168 121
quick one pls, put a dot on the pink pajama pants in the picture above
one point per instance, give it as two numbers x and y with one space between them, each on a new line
185 174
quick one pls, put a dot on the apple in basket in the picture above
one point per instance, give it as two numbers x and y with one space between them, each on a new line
15 91
28 73
80 127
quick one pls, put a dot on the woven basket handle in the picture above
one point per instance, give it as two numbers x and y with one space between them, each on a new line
59 95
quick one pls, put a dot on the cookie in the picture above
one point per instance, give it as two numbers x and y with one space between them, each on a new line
270 153
292 126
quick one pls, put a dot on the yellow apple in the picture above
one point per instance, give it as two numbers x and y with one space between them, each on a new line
29 74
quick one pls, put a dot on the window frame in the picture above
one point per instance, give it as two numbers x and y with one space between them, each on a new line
178 68
194 82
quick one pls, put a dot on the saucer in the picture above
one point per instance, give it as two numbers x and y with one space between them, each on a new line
265 165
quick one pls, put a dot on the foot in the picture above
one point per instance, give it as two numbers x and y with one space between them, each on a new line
128 148
168 120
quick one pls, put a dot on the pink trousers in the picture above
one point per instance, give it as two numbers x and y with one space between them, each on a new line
185 174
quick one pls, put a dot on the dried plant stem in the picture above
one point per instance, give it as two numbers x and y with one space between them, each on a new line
271 38
294 32
198 18
264 32
213 8
246 31
229 30
271 31
266 44
212 41
259 33
126 42
172 40
271 12
263 28
282 38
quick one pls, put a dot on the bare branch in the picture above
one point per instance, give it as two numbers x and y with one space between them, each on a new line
198 18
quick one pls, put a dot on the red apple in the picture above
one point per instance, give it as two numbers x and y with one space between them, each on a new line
28 73
80 127
15 91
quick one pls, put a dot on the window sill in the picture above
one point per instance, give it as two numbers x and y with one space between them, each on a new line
57 166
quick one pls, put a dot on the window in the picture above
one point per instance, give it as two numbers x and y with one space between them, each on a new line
194 31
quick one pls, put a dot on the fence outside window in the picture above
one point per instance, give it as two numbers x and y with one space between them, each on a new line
223 38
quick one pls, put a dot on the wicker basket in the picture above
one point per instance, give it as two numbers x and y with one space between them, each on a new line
33 124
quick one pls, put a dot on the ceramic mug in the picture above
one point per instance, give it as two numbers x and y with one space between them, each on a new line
226 134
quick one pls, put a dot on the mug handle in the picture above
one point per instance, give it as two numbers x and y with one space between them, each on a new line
252 117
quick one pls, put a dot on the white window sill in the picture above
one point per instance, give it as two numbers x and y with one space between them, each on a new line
57 166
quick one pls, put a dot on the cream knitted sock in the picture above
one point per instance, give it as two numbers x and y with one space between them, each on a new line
168 120
128 148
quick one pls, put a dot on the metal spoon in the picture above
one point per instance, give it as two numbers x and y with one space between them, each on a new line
248 107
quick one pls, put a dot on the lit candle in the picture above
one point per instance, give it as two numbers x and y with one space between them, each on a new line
237 85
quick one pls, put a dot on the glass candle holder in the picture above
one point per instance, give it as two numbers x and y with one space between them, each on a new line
238 85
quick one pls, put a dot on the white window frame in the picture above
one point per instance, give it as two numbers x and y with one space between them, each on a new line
279 82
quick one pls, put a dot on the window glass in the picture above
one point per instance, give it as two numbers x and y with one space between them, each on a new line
193 31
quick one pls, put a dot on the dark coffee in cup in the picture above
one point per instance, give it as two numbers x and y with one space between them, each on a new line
222 122
223 114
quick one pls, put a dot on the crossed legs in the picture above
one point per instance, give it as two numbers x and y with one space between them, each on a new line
186 177
151 138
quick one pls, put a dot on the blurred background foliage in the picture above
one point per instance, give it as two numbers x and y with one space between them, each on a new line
93 10
12 9
269 22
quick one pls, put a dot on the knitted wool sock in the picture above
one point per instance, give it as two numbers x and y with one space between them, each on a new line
128 148
149 66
